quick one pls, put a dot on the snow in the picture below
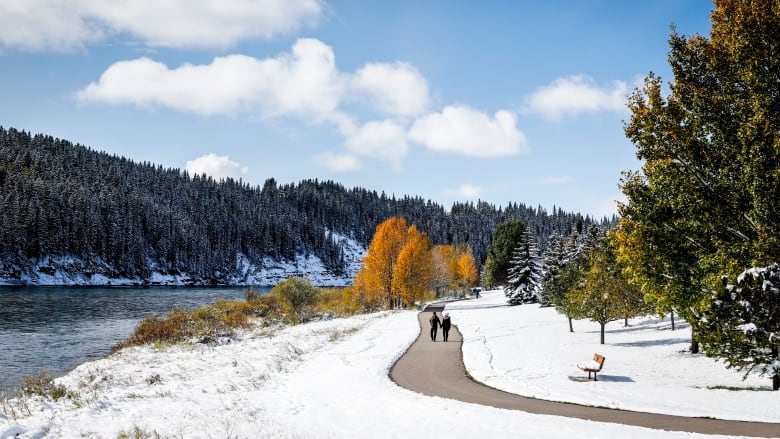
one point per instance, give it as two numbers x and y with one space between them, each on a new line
70 271
592 365
647 366
329 379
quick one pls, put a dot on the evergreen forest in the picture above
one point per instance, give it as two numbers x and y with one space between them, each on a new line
60 199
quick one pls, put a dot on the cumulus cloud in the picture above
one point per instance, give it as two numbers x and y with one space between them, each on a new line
464 191
304 82
45 24
216 166
338 162
463 130
384 139
573 95
58 25
397 89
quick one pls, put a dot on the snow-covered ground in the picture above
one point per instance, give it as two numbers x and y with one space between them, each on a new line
72 271
330 380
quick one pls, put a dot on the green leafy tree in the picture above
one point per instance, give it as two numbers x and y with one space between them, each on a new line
742 323
486 276
604 294
705 203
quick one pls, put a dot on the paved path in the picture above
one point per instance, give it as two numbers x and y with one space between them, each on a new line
437 369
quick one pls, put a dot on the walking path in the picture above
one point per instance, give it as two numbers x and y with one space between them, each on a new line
449 379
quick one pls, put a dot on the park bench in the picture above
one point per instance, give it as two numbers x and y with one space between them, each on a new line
594 365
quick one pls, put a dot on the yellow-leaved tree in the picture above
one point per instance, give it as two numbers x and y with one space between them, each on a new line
466 274
374 282
414 270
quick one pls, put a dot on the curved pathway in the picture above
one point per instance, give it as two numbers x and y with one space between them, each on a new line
414 372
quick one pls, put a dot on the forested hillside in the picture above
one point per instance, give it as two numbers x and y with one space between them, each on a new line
119 218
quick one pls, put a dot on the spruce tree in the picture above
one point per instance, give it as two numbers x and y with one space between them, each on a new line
741 324
524 272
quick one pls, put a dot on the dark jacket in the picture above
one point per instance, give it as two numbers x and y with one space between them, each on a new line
435 322
445 323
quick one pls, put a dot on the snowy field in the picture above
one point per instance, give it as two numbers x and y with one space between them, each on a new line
330 380
648 367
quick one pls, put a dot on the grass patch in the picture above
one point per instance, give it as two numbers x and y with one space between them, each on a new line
138 433
292 301
204 325
738 388
43 385
339 334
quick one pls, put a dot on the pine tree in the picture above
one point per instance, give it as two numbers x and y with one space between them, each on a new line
742 323
524 272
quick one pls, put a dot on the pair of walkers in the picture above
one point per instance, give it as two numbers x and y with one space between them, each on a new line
444 323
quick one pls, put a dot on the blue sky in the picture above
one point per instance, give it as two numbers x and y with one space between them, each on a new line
504 101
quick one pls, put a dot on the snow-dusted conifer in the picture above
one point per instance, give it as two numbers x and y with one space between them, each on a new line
742 323
524 274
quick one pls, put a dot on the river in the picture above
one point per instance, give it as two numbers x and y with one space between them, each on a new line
57 328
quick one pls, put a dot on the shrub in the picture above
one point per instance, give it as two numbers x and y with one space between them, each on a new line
297 298
338 301
204 324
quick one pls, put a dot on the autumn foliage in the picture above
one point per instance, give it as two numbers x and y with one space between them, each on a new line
401 268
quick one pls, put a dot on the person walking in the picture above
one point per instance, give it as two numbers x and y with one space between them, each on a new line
445 326
435 323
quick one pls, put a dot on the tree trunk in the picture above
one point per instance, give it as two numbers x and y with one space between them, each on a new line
776 377
571 325
694 343
672 314
625 322
603 325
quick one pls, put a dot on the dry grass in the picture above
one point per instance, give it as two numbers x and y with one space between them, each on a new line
223 317
205 324
339 302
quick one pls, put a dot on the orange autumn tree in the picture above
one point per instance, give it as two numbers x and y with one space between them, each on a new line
466 273
414 271
374 282
454 268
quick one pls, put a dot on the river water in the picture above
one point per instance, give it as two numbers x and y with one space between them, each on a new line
57 328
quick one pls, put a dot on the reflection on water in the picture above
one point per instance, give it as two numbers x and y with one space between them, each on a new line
58 328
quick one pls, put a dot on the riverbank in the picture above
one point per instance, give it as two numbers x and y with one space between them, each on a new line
330 379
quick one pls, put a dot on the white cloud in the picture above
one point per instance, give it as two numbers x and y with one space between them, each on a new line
338 162
304 83
465 191
397 89
577 94
217 166
45 24
463 130
384 139
59 25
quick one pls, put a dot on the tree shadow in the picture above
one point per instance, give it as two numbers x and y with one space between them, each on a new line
607 378
648 343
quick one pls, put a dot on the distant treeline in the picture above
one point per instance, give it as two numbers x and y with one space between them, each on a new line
61 199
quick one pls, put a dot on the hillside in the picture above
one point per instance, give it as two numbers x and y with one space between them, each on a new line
72 215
